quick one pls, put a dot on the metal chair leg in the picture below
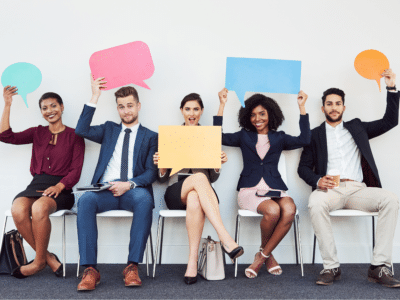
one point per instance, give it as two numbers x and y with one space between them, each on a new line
160 220
299 245
313 254
237 240
162 240
79 262
295 239
147 257
4 231
64 246
151 248
373 233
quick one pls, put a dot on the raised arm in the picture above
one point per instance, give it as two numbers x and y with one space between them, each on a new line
8 93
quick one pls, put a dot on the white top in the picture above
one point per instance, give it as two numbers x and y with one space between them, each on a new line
343 153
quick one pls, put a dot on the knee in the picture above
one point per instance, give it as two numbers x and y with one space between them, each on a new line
288 210
85 202
40 210
316 204
200 178
272 212
19 213
193 201
392 201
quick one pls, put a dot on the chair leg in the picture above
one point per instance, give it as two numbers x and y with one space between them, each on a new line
160 220
162 240
4 232
237 240
151 248
79 262
299 244
64 246
295 238
313 254
373 233
147 257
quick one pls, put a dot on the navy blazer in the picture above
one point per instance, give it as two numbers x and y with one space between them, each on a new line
144 170
255 168
314 159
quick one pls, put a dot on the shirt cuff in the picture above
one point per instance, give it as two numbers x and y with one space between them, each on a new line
159 174
91 104
318 181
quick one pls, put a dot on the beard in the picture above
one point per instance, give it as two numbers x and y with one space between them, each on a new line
330 119
129 121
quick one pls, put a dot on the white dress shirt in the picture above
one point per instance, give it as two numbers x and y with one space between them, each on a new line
343 153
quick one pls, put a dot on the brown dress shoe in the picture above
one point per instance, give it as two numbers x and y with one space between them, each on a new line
382 275
131 276
327 276
90 278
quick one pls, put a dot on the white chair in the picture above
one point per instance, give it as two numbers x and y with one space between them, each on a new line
160 231
352 213
247 213
60 213
124 214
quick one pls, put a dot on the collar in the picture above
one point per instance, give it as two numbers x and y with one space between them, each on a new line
338 127
134 128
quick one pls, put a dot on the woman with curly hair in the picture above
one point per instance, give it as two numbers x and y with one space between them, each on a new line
261 188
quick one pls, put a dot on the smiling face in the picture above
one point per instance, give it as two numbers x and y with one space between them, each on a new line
259 119
51 110
333 108
128 109
192 112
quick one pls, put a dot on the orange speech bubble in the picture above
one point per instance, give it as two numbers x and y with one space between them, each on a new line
189 147
371 64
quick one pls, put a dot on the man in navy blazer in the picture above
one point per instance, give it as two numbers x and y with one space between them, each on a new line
342 148
126 162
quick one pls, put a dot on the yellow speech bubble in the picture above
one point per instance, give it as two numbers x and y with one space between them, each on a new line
195 147
371 64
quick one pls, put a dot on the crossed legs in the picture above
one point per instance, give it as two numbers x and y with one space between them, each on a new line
35 230
201 201
277 219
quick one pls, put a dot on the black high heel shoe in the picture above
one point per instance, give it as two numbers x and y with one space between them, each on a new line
17 273
59 272
235 253
190 280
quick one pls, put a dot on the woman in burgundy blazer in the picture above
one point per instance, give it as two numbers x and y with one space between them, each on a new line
56 165
261 188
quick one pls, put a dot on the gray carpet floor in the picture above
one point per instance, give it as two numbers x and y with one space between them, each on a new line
169 284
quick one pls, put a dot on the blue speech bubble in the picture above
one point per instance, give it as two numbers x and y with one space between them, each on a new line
262 75
25 76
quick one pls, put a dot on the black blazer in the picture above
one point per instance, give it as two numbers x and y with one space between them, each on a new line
314 159
254 168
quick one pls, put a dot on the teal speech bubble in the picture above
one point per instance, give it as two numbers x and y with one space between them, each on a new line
25 76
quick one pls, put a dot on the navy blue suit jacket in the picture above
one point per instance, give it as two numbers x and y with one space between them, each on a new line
314 159
144 170
253 166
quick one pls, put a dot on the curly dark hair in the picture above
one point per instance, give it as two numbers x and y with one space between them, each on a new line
275 115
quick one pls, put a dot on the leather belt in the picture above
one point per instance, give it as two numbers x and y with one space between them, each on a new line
342 180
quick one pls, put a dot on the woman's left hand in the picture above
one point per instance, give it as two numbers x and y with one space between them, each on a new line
224 157
302 98
53 190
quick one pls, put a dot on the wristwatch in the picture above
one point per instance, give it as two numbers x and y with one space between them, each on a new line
391 88
133 185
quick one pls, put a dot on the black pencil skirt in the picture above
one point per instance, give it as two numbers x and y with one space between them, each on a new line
172 196
40 182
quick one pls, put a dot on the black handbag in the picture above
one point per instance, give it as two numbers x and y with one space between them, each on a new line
12 252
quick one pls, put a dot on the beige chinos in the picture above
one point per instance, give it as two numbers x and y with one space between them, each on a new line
354 195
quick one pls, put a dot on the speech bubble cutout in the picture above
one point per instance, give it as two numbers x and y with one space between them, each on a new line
25 76
189 147
262 75
121 65
371 64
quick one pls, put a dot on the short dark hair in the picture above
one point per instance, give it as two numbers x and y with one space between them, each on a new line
191 97
275 115
332 91
48 96
125 92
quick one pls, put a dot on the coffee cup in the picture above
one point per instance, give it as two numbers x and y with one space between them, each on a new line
336 176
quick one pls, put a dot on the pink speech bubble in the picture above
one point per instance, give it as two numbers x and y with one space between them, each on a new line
121 65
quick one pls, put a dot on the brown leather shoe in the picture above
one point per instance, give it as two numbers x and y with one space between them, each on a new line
131 276
382 275
90 278
327 276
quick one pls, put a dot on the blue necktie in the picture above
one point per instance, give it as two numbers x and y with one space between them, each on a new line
124 160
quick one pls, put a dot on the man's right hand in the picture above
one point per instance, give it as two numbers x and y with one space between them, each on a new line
97 86
326 182
8 92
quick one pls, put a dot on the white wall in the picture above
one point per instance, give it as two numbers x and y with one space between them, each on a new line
189 42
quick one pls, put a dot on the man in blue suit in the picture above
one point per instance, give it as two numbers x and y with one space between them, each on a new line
126 162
